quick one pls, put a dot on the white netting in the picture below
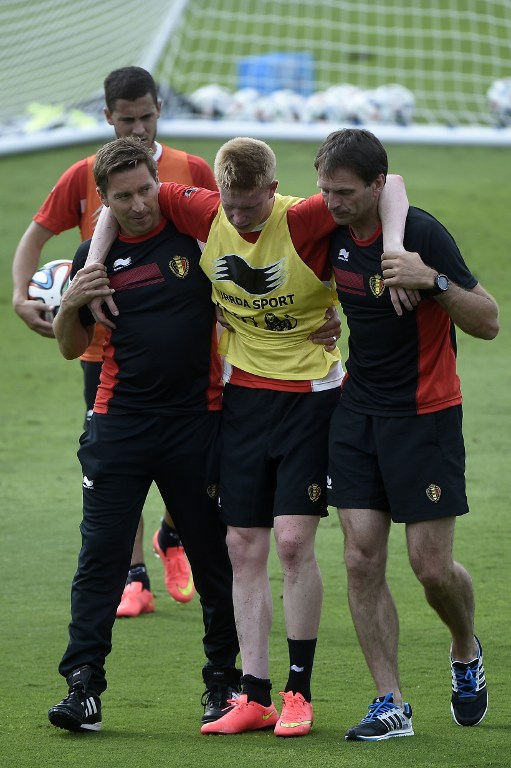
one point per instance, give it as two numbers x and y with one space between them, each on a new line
54 55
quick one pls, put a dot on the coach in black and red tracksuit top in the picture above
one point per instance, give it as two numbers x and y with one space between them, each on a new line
155 419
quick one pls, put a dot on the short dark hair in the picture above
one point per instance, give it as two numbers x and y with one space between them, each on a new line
129 83
120 155
353 148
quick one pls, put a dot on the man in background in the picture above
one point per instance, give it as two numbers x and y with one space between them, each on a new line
132 109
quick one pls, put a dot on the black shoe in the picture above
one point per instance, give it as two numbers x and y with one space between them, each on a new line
469 701
221 685
384 720
79 711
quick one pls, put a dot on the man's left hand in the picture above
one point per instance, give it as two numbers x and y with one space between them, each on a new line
329 332
401 272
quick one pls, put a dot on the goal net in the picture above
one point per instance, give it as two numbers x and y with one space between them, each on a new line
443 54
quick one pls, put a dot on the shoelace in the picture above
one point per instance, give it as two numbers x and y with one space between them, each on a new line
466 682
378 708
237 703
294 707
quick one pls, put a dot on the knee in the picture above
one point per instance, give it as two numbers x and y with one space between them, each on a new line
245 549
294 549
431 573
364 561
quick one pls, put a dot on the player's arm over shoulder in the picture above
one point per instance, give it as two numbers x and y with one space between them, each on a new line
191 209
74 325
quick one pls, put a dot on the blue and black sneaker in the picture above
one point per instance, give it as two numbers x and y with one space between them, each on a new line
384 720
80 710
469 701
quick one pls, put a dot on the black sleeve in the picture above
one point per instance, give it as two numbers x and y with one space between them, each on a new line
437 248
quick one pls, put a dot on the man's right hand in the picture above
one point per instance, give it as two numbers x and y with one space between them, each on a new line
90 283
34 314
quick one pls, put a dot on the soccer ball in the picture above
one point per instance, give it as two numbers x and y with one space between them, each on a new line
244 104
499 101
339 100
365 107
396 104
49 283
211 101
284 105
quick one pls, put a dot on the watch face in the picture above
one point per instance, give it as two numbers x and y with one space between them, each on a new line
442 282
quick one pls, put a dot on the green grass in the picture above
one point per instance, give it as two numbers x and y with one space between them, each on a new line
151 709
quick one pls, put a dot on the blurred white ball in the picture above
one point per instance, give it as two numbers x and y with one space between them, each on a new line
365 108
244 104
283 105
396 104
211 101
498 98
339 99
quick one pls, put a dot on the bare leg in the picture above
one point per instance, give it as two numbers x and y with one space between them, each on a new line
303 587
372 607
253 610
447 585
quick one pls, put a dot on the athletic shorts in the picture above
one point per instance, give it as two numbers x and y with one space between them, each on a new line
274 454
410 466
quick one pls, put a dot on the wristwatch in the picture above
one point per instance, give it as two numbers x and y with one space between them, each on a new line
441 285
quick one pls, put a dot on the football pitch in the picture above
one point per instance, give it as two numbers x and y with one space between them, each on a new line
151 710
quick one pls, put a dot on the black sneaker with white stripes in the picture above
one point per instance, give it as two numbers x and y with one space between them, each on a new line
384 720
80 710
469 700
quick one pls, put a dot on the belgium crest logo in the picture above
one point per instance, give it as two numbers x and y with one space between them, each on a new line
433 492
314 491
377 285
179 265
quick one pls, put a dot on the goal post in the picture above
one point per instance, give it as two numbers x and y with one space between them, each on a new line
55 54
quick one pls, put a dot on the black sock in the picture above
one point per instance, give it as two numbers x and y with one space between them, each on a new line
301 660
167 536
256 689
138 572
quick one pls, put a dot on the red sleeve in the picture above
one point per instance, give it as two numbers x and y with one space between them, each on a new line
202 175
191 209
310 225
62 209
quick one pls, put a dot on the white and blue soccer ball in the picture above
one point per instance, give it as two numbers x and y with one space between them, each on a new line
396 104
365 107
212 101
498 98
49 283
339 100
244 104
283 105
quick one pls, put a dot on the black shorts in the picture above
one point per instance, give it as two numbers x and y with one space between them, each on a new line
274 454
410 466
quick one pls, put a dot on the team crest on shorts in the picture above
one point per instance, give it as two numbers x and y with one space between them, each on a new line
314 491
179 265
433 492
212 491
377 285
